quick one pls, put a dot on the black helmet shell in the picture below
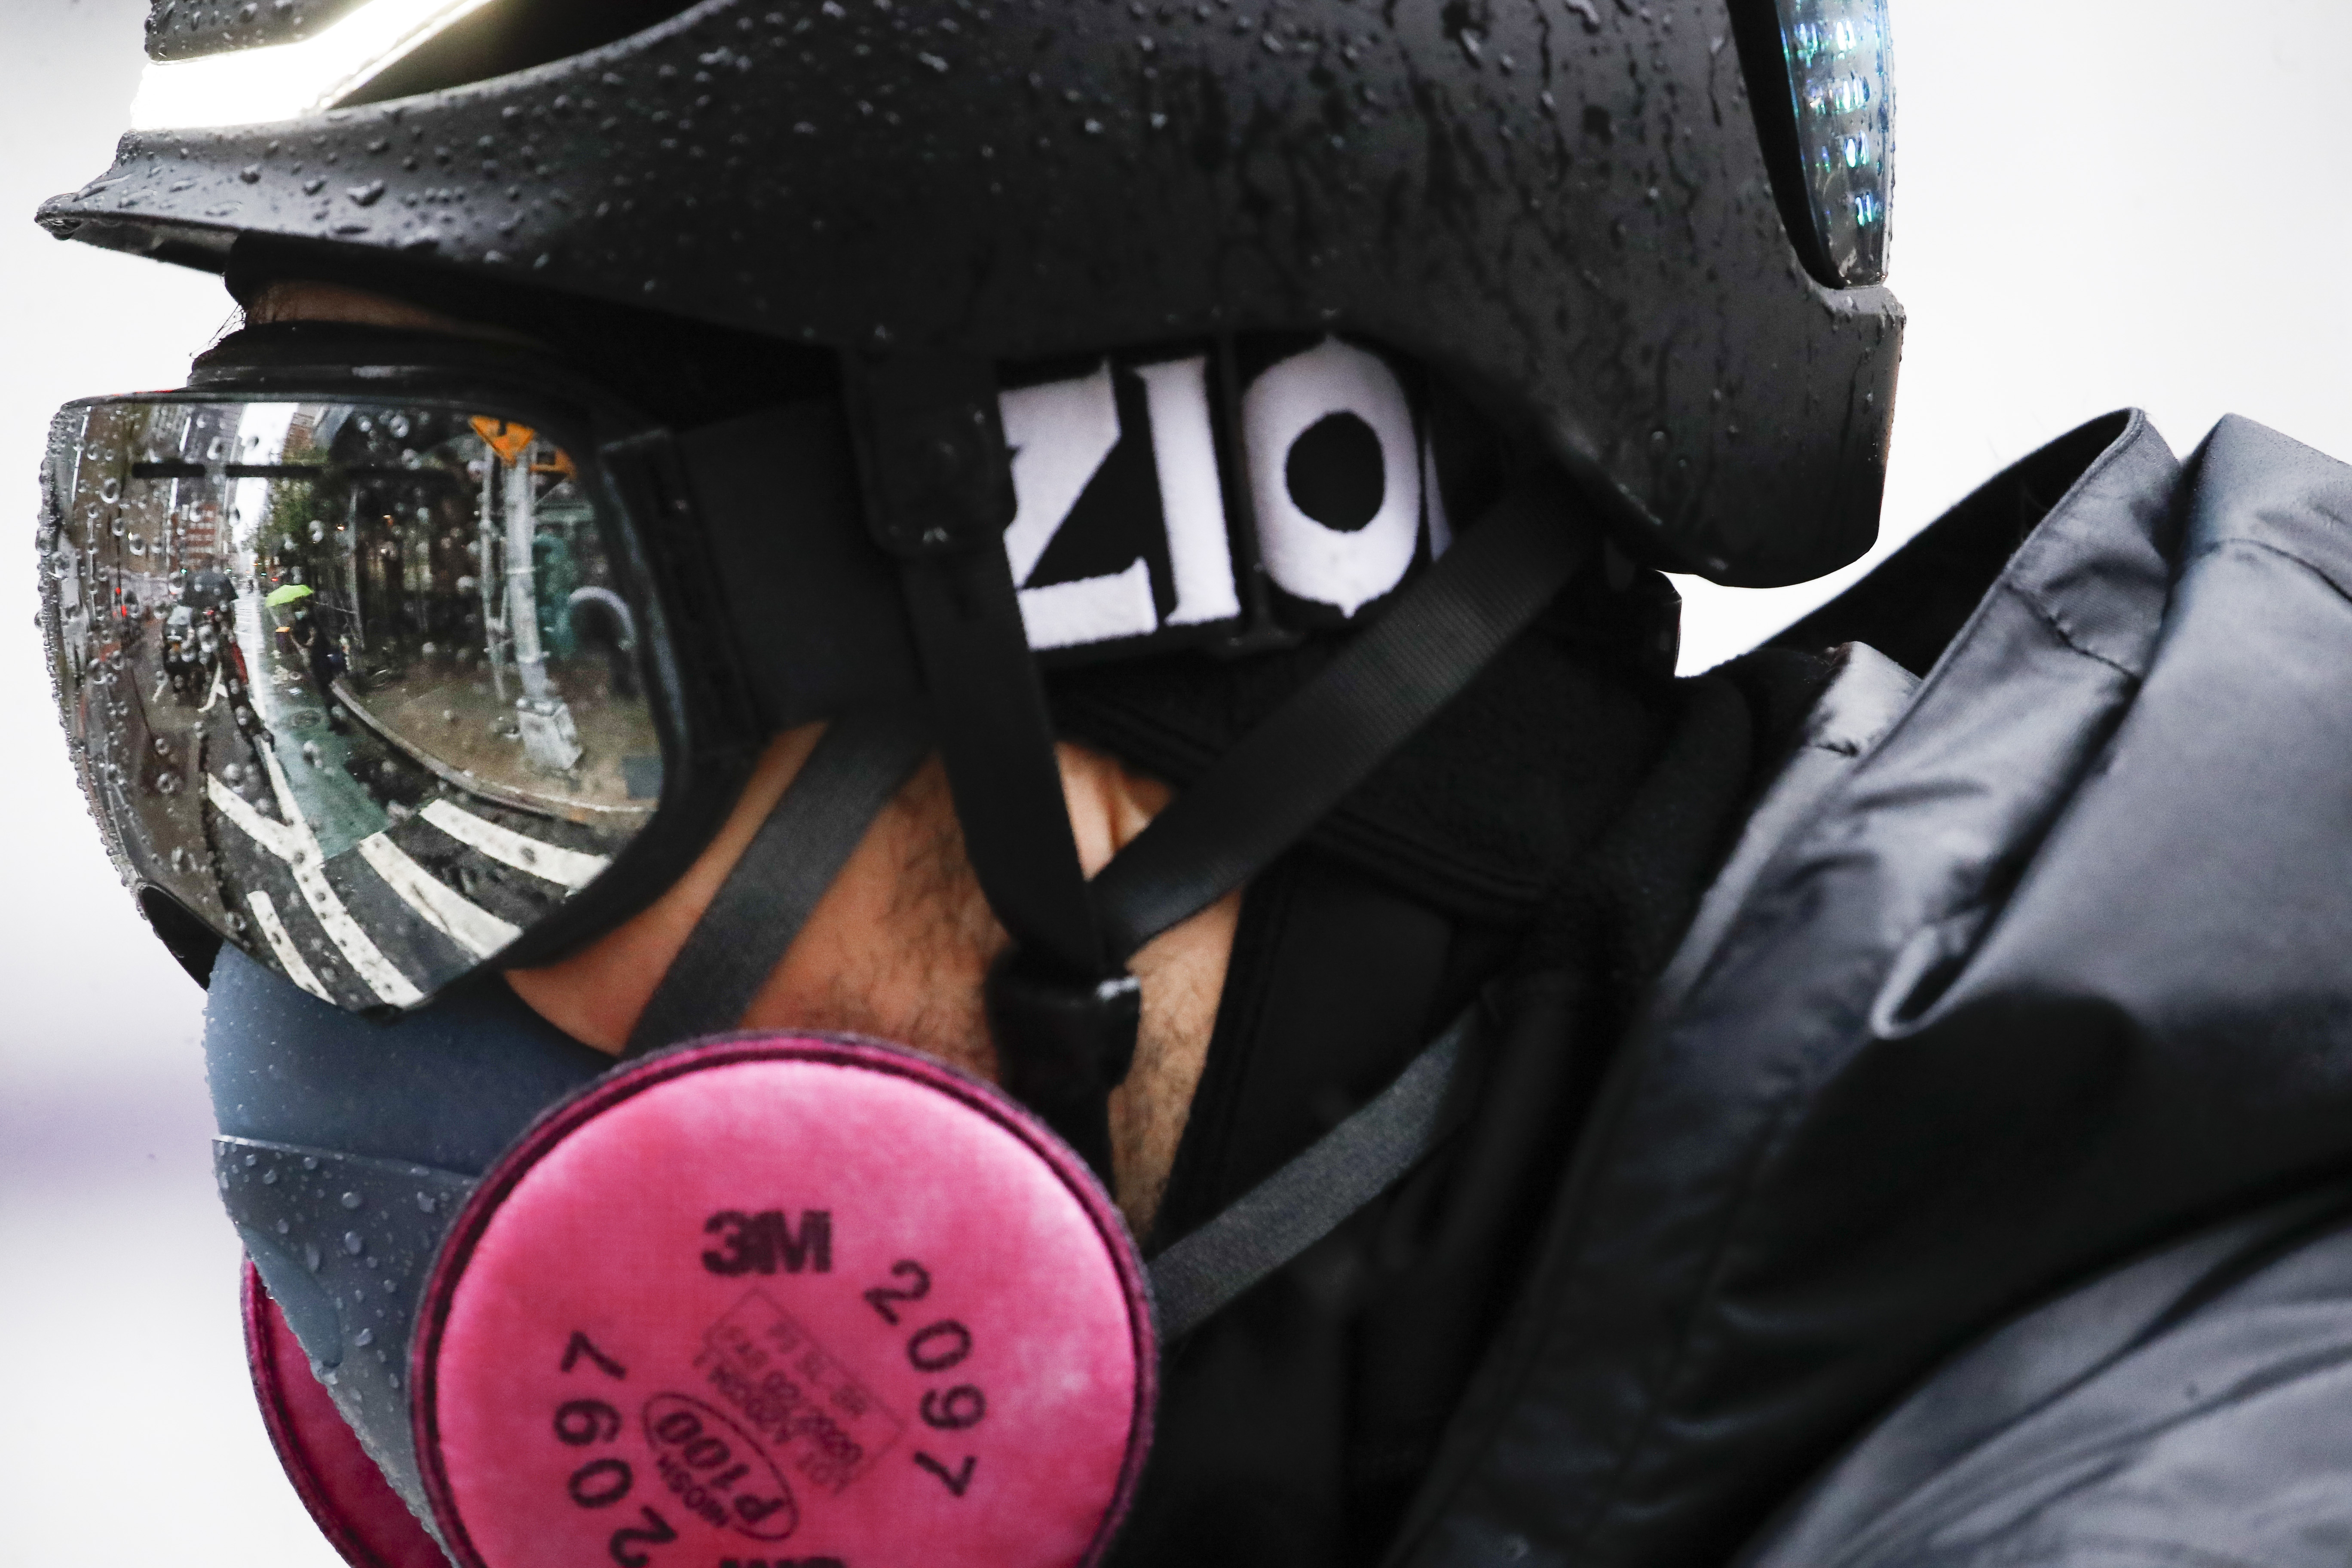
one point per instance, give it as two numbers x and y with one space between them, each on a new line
1563 205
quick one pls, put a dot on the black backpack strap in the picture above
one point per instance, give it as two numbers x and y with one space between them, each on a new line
1306 1199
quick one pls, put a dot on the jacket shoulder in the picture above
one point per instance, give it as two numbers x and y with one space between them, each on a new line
2189 1407
2057 969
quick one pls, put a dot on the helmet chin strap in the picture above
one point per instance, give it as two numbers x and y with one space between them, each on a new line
938 480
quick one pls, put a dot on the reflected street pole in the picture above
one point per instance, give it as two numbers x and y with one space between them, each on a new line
549 738
522 591
485 574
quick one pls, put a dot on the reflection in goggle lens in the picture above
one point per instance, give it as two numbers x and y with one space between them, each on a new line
361 685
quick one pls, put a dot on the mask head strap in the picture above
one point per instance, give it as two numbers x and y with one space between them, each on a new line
857 766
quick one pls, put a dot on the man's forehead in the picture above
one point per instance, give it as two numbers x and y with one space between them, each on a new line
286 299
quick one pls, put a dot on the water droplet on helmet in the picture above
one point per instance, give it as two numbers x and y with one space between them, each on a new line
352 1200
353 1243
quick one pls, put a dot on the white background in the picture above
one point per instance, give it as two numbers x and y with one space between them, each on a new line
2102 202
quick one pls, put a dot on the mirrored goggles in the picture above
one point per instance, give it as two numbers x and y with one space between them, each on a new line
387 659
370 687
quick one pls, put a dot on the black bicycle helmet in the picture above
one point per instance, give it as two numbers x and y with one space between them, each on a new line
1649 235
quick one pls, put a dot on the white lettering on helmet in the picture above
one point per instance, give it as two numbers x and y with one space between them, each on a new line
1344 568
1060 433
1122 486
1191 494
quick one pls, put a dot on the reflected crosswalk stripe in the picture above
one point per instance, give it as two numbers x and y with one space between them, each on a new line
309 872
290 957
271 836
551 862
292 842
440 906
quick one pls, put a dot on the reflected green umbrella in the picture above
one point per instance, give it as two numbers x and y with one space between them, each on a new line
288 594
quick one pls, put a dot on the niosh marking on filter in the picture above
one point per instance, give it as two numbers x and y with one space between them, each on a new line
717 1470
795 1394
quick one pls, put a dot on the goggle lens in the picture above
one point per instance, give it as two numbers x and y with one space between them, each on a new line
361 685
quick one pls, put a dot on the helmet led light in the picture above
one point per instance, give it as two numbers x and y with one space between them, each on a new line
1842 88
284 81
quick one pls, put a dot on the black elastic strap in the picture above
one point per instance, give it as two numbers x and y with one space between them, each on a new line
1063 1012
1299 762
997 740
1306 1200
938 480
859 764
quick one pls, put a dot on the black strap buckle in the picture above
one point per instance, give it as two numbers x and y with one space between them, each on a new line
1065 1043
931 453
